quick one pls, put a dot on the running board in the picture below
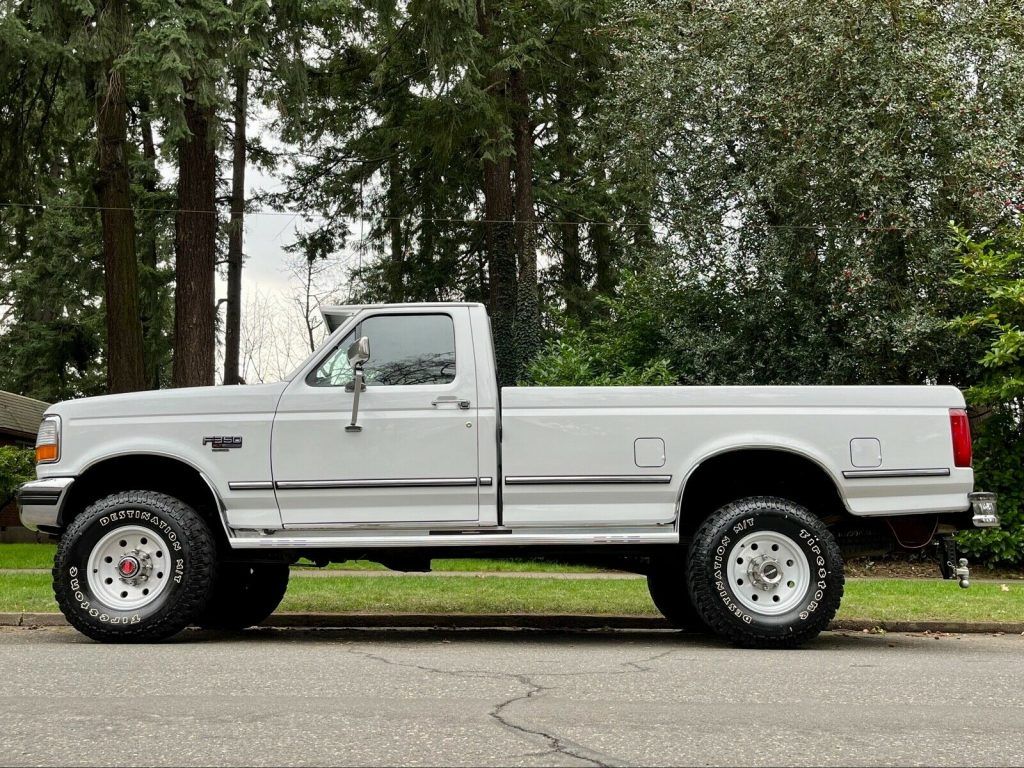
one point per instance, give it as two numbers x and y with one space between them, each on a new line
452 540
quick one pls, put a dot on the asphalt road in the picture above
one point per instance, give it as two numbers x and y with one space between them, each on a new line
404 697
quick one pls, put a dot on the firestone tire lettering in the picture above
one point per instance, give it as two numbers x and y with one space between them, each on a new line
714 597
190 587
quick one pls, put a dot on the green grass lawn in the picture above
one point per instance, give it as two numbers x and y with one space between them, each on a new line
21 556
27 555
882 600
26 592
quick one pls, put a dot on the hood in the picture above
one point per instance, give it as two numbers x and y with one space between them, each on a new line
245 398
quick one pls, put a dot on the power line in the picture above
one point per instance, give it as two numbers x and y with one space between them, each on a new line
441 220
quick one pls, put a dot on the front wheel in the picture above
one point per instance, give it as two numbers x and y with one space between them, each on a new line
765 572
136 566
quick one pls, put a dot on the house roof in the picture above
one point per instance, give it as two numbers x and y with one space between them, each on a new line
19 414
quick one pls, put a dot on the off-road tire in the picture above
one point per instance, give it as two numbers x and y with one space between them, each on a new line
189 567
717 543
244 595
667 584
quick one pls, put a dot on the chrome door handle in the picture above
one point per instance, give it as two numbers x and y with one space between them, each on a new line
463 404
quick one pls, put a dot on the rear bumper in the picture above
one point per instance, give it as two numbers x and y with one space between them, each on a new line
983 509
40 503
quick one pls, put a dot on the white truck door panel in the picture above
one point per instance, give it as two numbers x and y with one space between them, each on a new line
415 459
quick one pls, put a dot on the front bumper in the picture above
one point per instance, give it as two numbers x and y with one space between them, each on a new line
40 503
983 509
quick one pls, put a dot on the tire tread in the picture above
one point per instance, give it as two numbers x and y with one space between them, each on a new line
192 599
702 588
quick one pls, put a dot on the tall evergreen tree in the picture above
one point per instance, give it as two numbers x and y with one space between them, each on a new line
124 350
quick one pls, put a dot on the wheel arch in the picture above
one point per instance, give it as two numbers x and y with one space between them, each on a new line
730 473
148 471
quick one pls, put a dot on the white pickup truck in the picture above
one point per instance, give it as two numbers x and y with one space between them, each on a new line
393 443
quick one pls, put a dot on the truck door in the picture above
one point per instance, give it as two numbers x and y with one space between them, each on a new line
415 458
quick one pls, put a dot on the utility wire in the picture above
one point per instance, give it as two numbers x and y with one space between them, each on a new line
437 220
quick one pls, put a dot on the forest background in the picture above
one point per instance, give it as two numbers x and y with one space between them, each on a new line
658 192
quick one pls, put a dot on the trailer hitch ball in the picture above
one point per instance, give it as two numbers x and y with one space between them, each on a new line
963 573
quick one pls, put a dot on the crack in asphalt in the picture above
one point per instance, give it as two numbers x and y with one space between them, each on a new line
637 664
558 744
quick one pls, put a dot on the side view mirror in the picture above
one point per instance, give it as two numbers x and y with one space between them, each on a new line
358 353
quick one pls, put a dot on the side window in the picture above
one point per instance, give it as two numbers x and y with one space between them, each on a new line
404 350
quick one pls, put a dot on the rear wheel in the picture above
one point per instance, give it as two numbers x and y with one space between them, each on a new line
136 566
667 585
244 595
765 572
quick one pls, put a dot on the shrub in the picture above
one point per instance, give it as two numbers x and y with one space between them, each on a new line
577 361
17 466
999 453
992 276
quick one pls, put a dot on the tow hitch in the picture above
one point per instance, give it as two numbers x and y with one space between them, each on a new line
947 558
984 514
963 573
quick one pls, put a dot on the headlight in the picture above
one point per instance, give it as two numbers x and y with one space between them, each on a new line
48 440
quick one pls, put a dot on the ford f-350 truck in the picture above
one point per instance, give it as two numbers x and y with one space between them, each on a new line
394 443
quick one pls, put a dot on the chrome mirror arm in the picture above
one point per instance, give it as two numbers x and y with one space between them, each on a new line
357 388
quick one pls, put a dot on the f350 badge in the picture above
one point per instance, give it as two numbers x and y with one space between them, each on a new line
223 443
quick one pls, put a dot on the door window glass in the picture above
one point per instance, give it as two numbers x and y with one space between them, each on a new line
404 350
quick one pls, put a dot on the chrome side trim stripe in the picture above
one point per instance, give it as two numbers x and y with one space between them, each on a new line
588 479
257 485
864 474
450 540
449 482
398 482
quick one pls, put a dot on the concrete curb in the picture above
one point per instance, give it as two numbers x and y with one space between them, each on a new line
318 573
535 621
947 627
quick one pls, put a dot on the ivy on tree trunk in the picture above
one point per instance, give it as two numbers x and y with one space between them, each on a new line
236 231
526 328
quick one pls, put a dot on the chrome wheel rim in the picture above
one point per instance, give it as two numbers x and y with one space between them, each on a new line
769 573
129 568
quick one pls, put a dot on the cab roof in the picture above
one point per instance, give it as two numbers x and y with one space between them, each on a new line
335 315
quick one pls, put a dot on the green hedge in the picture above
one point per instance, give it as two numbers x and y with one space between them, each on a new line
999 453
17 466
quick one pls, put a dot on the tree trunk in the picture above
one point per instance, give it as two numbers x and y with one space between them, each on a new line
573 288
501 262
601 242
233 312
148 278
428 234
396 264
499 236
526 329
125 369
194 247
